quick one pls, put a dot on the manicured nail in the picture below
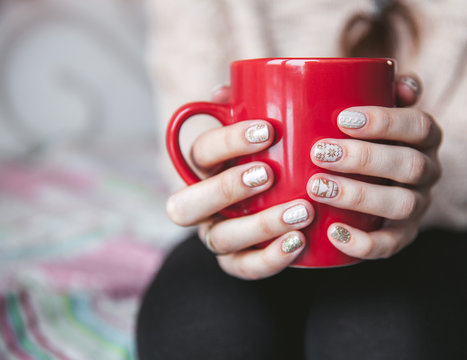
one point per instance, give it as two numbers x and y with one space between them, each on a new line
324 188
217 88
257 133
351 119
255 176
341 234
295 214
291 243
327 152
411 83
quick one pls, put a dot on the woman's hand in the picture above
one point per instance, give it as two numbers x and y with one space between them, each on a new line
232 239
410 162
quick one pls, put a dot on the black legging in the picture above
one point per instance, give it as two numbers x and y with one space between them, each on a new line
411 306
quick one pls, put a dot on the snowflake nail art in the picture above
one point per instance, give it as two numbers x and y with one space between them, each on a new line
327 152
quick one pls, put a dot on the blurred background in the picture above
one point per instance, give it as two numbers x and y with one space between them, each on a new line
82 220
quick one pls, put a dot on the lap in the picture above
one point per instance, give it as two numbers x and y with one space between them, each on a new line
409 306
193 309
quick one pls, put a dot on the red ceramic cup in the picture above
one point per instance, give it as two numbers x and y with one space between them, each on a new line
301 98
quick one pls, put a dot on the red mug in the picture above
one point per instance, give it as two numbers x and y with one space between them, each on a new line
301 98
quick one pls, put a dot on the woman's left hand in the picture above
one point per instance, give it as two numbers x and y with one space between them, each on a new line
410 161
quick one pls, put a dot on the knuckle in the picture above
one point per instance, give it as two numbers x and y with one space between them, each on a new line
264 225
425 125
424 202
175 211
218 244
365 158
418 167
270 263
366 250
438 134
385 121
225 265
226 187
230 141
407 205
359 198
390 249
437 171
245 272
197 153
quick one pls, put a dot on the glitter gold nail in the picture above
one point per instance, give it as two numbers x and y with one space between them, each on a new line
325 188
291 243
341 234
255 176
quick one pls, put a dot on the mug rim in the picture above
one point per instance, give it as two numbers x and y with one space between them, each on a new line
322 60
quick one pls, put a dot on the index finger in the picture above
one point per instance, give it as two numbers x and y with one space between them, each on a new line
407 125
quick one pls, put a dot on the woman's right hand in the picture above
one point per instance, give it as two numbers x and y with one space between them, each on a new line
233 240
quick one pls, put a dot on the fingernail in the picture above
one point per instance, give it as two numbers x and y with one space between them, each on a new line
255 176
257 133
351 119
411 83
291 243
295 214
340 234
327 152
324 188
217 88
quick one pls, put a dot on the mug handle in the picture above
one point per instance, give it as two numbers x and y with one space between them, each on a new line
221 112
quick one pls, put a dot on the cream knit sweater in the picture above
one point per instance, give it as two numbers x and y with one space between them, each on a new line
193 42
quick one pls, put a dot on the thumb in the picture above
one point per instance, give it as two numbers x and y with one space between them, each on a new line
408 90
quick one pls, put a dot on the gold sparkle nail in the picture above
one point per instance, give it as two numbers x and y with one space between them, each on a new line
341 234
291 243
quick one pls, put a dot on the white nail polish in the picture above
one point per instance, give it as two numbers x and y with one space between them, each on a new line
325 188
257 133
351 119
411 83
255 176
327 152
295 214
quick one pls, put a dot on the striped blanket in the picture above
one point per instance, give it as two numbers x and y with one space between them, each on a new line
81 234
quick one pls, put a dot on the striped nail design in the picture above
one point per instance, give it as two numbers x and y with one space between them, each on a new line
325 188
351 119
257 133
255 176
295 214
327 152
